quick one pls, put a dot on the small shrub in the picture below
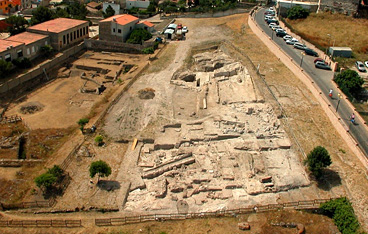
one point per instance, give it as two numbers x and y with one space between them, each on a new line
297 12
22 63
148 50
99 139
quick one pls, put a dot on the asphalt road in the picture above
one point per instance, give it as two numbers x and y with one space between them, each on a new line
323 79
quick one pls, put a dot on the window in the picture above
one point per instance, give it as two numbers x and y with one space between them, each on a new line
7 57
145 28
28 51
119 30
33 49
71 36
45 42
20 53
84 31
113 29
64 40
75 35
130 28
80 32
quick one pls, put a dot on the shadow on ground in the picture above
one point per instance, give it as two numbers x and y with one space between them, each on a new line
329 179
108 185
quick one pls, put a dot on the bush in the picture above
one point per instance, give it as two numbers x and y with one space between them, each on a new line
148 50
47 50
138 36
350 82
297 12
5 67
342 213
45 181
318 159
22 63
100 168
57 172
99 139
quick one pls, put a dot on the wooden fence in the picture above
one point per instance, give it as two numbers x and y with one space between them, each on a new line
310 204
26 205
41 223
64 165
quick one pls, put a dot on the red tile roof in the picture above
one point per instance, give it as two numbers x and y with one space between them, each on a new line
121 19
4 44
26 37
149 24
58 25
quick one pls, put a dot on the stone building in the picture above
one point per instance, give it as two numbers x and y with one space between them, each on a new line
10 50
32 43
63 32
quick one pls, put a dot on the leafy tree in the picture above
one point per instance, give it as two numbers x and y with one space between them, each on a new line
82 122
57 172
100 168
77 10
318 159
151 7
139 35
45 181
22 63
148 50
342 213
297 12
61 13
349 81
109 12
17 23
41 14
46 50
5 67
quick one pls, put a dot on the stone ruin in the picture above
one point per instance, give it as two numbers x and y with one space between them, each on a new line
233 152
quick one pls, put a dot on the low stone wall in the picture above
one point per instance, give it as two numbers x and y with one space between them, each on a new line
115 46
207 15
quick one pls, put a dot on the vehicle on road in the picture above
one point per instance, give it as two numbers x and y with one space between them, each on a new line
360 66
320 60
299 46
272 24
281 33
366 63
322 65
309 51
287 37
185 29
291 41
273 21
275 27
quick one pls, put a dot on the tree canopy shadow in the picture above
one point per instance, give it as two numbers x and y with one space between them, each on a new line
108 185
329 179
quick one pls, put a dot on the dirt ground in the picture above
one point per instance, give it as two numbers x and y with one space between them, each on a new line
309 125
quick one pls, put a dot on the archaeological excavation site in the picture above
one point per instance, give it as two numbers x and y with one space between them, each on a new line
206 140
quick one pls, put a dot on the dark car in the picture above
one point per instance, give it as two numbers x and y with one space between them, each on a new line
309 51
272 21
281 33
322 65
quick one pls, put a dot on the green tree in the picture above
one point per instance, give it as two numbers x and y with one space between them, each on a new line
18 24
342 213
22 63
82 122
350 82
41 14
5 67
318 159
46 50
61 13
151 7
297 12
100 168
45 181
109 12
77 10
139 35
56 171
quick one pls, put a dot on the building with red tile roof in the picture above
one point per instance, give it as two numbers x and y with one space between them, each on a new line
63 32
10 50
32 43
119 27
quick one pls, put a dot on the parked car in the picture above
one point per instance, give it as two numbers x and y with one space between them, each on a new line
291 41
322 65
360 66
185 29
281 33
273 21
299 46
366 63
320 60
272 24
309 51
287 37
276 27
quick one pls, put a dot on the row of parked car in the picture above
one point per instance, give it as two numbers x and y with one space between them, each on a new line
360 66
273 23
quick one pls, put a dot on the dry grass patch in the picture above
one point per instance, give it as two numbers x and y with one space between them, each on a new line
345 31
164 59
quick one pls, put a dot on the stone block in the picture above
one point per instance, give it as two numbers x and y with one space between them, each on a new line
244 226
